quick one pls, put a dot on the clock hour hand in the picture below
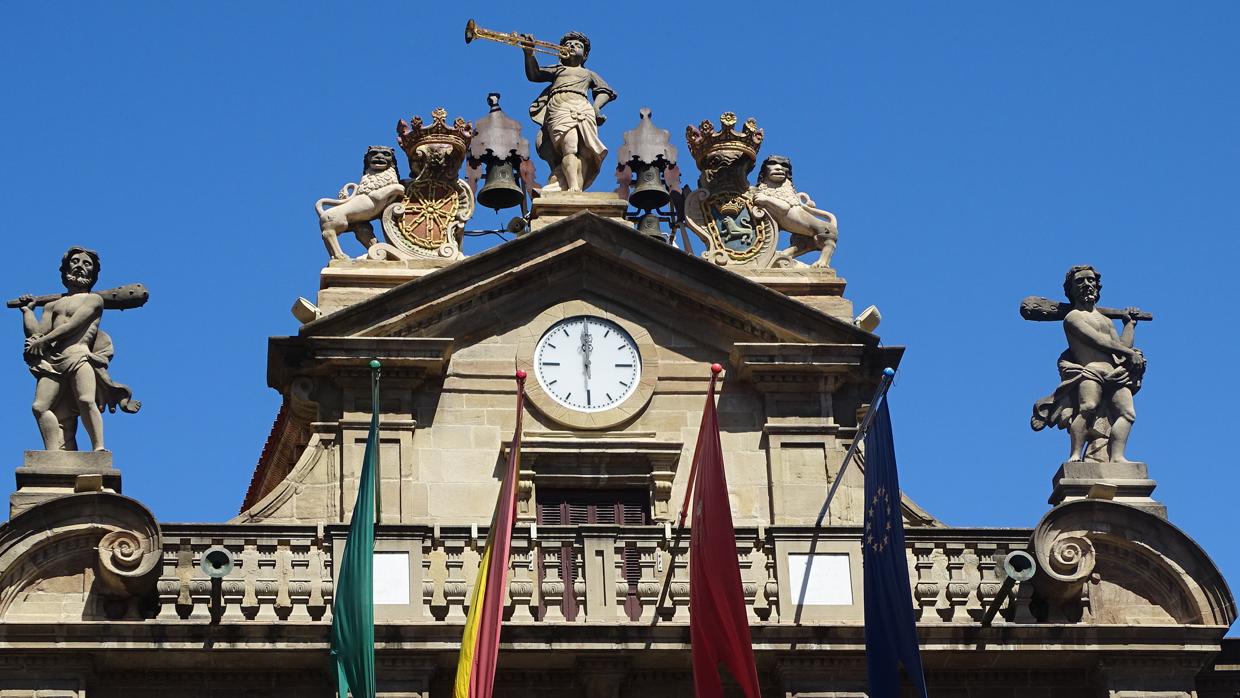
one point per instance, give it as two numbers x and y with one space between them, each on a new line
587 346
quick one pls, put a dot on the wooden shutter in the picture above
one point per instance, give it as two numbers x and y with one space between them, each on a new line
575 507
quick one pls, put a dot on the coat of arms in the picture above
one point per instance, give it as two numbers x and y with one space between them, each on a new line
430 219
721 211
739 223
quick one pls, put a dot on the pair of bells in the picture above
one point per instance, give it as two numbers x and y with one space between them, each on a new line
501 189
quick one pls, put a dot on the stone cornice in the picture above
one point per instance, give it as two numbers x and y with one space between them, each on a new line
777 367
1071 644
414 356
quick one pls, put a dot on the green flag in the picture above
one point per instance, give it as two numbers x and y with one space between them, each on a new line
353 607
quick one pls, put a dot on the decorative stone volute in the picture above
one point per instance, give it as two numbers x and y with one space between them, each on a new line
1122 565
109 544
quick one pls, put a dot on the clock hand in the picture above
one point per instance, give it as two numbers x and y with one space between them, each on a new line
587 346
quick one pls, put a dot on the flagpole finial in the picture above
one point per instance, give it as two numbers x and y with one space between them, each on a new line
716 369
521 374
889 372
375 365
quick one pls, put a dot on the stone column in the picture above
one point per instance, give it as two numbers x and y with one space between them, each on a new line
806 388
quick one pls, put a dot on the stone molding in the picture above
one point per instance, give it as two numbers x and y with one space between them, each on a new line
776 367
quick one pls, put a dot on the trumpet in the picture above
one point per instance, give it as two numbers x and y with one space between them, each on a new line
473 31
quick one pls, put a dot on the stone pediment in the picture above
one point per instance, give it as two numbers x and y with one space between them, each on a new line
450 340
584 254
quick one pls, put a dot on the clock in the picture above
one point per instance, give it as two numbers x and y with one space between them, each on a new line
587 363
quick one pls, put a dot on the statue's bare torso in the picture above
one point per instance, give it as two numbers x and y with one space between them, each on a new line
80 314
1080 326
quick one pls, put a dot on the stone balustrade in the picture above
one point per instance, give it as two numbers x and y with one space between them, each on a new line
592 574
280 573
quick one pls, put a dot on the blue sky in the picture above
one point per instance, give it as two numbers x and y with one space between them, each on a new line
972 151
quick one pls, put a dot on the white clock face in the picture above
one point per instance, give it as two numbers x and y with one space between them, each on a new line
587 364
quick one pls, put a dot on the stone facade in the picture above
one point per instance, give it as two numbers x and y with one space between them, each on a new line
99 599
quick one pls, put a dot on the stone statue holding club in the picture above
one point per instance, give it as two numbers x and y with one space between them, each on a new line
69 355
1099 372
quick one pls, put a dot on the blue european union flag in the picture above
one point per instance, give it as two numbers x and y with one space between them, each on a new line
890 632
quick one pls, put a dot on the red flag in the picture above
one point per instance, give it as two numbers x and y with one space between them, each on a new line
718 626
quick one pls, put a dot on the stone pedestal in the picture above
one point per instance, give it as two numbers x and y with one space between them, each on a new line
47 475
344 282
818 287
556 206
1126 483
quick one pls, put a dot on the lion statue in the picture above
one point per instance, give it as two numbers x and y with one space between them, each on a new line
358 204
812 228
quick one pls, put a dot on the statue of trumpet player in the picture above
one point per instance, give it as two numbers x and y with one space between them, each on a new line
569 112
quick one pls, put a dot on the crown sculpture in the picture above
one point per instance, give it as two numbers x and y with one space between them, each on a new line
705 140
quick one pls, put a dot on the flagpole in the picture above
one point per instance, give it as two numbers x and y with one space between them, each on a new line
353 608
479 653
715 370
376 370
883 384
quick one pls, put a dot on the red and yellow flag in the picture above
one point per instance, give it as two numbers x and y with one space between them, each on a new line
475 670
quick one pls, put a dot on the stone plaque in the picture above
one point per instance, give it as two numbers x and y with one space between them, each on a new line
821 579
391 579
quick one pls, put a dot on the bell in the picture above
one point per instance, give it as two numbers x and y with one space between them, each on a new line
648 225
649 192
501 189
